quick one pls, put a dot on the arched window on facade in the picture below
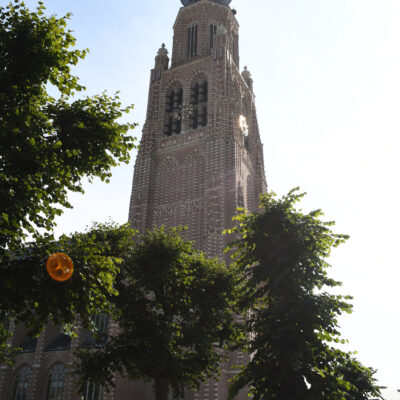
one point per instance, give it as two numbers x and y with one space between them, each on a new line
240 196
173 111
21 385
213 32
92 391
198 102
192 40
55 383
100 324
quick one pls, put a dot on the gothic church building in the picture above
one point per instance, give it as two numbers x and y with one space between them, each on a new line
200 158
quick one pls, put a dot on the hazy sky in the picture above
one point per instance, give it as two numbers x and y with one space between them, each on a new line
327 83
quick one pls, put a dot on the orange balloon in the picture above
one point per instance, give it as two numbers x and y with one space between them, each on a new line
60 267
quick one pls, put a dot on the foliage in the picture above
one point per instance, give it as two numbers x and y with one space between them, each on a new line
175 315
293 323
7 352
31 296
48 144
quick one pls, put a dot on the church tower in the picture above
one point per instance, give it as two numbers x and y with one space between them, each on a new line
200 155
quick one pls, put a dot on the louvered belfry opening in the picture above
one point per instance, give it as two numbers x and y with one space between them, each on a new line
213 32
198 102
173 111
192 40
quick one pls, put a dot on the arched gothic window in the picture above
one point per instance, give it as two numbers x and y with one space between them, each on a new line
173 111
100 324
55 383
192 41
92 391
21 385
240 196
213 32
198 102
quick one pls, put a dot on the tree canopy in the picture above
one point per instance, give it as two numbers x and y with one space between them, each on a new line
30 296
293 323
48 143
175 316
51 137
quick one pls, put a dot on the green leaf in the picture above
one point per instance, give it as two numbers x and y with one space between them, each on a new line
5 217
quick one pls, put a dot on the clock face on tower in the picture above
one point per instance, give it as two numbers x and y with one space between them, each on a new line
188 2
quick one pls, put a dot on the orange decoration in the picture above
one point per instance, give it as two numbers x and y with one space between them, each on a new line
60 267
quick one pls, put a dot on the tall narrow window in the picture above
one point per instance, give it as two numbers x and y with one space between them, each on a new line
213 31
100 324
198 101
173 111
21 385
62 341
194 118
170 102
192 41
55 383
168 126
203 92
240 196
92 391
204 121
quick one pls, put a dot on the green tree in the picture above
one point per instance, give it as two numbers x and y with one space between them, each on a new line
293 326
175 315
32 297
48 144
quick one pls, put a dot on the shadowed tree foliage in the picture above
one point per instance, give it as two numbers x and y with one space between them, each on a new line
32 297
175 315
7 352
48 144
293 322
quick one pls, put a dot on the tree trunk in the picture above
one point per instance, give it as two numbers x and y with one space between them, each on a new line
161 389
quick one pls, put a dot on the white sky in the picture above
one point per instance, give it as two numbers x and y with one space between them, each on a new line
327 80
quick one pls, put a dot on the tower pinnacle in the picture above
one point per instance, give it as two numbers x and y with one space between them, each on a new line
162 59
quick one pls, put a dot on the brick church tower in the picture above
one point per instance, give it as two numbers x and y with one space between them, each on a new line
200 155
